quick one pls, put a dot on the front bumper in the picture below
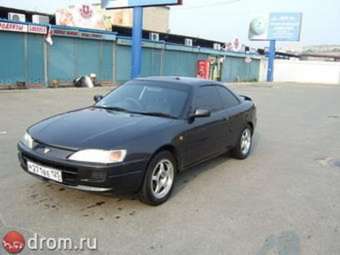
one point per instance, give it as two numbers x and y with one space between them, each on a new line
127 176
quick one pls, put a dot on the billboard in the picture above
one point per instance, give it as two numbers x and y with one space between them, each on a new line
279 26
84 16
119 4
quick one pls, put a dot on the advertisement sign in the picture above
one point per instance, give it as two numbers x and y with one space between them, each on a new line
281 26
84 16
203 68
13 27
119 4
84 35
34 29
24 28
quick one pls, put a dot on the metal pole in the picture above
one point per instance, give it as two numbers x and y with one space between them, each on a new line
137 32
161 70
271 59
114 77
26 60
45 64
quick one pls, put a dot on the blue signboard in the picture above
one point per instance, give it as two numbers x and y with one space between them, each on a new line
284 26
118 4
278 26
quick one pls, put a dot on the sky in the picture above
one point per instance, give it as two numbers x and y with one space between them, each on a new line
224 20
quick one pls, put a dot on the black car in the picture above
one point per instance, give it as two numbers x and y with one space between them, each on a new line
139 136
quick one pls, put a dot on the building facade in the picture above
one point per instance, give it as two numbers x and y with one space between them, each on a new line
29 60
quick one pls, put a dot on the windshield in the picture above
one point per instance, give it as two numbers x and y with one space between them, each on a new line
149 98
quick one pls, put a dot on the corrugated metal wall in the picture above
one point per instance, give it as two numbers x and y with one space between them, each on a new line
152 62
12 52
180 63
236 69
122 63
26 58
72 57
157 62
35 59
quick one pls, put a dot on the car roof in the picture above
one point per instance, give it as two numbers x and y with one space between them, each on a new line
195 82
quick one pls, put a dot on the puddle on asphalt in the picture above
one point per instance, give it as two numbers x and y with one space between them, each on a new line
329 162
45 196
336 163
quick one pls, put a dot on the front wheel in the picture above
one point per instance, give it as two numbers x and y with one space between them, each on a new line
159 179
243 147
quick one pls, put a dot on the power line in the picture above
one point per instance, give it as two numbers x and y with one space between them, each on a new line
218 3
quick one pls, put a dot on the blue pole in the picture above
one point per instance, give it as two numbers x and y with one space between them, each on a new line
137 33
271 59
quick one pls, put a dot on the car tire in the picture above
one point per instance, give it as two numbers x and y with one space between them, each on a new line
244 143
159 179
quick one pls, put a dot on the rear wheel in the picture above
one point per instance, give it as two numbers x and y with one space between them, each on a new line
243 147
159 179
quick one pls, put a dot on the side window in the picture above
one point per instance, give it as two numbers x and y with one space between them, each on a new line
208 98
228 99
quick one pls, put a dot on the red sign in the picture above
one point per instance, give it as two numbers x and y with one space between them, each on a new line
203 69
37 29
14 27
23 28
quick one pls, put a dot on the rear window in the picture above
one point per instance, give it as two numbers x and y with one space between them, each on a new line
228 98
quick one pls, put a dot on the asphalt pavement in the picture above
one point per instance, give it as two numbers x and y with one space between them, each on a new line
284 199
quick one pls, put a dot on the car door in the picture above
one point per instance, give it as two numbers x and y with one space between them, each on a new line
234 122
203 138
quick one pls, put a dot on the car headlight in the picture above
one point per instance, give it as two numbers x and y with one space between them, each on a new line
28 140
99 156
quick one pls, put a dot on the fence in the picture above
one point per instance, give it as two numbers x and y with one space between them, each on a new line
27 58
307 71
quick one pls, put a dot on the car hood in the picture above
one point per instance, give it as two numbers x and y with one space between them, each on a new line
96 129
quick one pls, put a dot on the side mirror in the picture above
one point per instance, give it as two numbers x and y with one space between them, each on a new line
201 113
97 98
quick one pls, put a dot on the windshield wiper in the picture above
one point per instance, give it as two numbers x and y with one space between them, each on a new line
112 108
120 109
158 114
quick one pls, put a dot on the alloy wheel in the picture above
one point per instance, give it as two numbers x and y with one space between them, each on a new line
245 141
162 178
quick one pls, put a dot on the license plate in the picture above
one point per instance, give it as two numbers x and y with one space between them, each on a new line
47 172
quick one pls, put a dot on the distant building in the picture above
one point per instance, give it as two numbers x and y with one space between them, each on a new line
321 56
